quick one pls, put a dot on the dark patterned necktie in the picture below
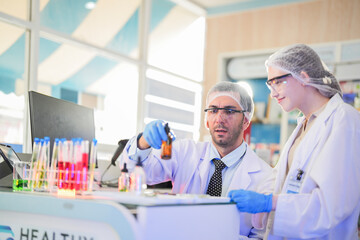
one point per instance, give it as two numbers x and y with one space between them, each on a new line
215 184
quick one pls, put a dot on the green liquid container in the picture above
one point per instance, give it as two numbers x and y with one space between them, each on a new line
20 185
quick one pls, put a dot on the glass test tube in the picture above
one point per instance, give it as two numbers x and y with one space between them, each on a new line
93 153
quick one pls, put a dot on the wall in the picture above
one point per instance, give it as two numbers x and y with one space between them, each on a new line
310 22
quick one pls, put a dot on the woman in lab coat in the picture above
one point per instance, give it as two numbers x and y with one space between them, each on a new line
317 192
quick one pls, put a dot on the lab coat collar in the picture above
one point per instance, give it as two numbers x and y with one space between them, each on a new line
204 167
231 158
326 112
248 165
333 103
311 140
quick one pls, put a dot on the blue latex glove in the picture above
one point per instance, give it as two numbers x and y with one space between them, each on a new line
251 202
154 133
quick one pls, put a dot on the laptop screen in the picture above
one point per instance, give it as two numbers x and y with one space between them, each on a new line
7 159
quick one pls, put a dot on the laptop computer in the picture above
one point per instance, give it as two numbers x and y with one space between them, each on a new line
7 159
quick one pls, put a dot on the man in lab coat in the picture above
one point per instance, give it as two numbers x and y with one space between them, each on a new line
228 112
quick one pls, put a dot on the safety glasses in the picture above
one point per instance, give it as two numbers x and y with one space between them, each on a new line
226 112
276 82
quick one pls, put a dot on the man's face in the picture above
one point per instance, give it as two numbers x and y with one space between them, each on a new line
226 129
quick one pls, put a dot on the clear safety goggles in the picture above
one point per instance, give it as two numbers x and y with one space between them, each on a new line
277 82
226 113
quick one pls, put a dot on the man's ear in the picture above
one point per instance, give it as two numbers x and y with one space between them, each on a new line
246 123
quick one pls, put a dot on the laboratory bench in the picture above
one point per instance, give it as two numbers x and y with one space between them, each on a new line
110 215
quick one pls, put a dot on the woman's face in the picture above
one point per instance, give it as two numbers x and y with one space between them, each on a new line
288 91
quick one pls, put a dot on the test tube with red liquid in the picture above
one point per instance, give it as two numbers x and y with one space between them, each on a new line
61 163
84 165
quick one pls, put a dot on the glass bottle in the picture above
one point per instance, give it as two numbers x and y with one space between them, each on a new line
124 180
166 145
138 178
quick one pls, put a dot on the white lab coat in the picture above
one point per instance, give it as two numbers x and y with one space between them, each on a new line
328 204
189 172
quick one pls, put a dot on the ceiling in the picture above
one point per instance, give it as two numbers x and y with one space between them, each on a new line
219 7
215 3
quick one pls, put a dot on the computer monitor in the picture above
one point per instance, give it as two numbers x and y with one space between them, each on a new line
57 118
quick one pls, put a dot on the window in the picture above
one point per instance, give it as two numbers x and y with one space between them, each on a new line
12 83
79 75
15 8
176 40
88 52
112 24
175 100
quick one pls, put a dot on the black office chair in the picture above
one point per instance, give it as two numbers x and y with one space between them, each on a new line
121 145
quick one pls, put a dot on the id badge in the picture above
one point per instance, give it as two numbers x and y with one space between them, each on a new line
294 183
